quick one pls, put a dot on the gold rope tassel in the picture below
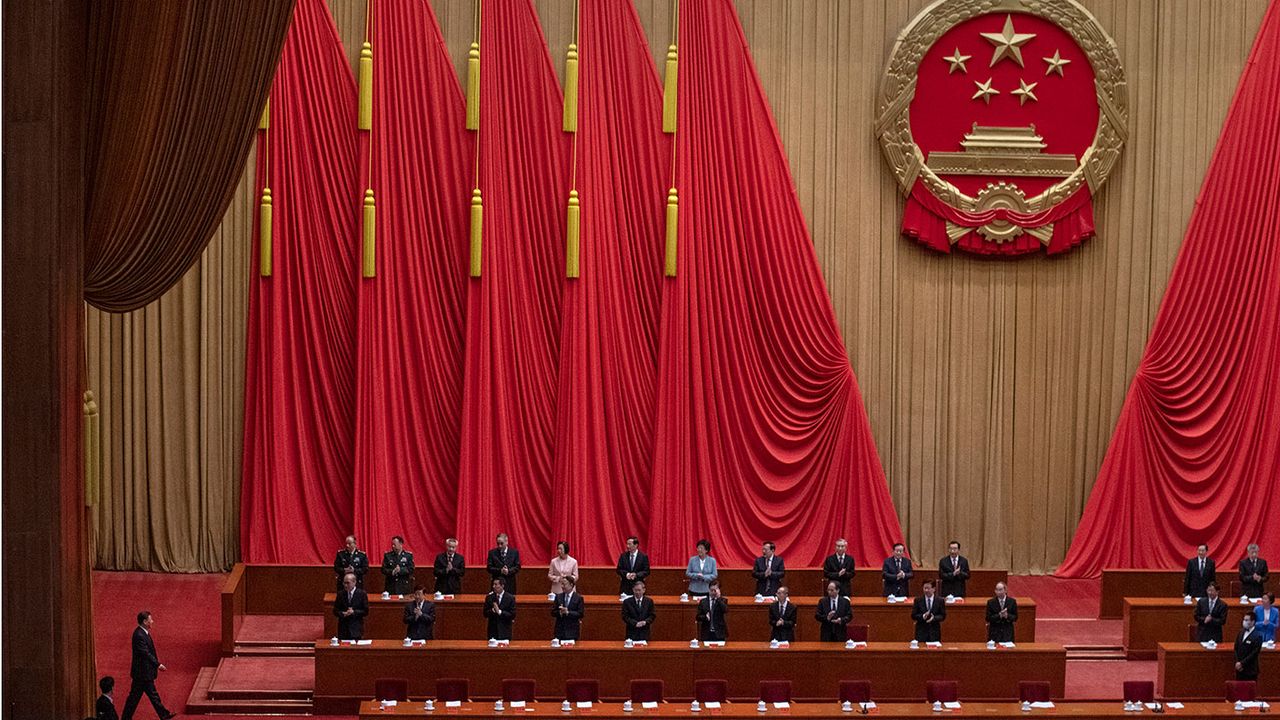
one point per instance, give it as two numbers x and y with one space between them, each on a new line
473 87
669 91
264 121
673 215
264 233
368 264
365 121
92 450
571 90
477 230
574 220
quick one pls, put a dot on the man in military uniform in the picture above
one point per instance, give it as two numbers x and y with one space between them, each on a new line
352 560
397 568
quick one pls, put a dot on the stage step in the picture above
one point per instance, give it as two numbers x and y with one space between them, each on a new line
274 650
200 703
1095 652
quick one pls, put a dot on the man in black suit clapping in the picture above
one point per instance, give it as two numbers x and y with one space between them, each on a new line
568 610
929 611
500 608
638 613
420 616
782 617
712 610
1211 615
351 605
835 614
143 670
839 567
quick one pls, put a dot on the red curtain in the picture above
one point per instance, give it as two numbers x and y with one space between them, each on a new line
609 336
296 500
1194 455
761 432
409 346
513 308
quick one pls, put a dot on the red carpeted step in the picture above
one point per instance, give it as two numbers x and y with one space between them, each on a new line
280 630
263 678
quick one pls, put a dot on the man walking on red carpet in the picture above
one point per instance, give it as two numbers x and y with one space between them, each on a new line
143 670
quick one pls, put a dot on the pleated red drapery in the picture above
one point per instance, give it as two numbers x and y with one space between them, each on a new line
409 345
609 343
1194 455
513 308
296 500
761 430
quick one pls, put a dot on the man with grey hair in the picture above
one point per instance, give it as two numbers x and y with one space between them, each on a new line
1253 573
838 567
504 562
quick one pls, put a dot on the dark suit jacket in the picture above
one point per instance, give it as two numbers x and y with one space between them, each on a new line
400 583
569 625
512 561
892 585
1194 583
634 611
1001 629
641 570
500 622
716 627
834 630
449 574
953 580
929 631
145 664
787 631
1247 655
768 585
423 627
104 709
831 571
1247 569
351 628
1211 630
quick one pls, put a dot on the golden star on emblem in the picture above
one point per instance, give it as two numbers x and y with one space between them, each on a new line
957 62
1025 93
985 91
1056 63
1008 43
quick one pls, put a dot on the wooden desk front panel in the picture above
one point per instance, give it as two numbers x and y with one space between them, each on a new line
1150 621
1188 670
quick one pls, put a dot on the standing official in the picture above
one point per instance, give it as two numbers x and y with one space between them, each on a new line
638 613
1211 615
397 568
420 616
500 608
929 611
1253 573
768 570
633 566
568 610
351 607
449 569
835 613
712 611
896 572
143 670
838 567
105 706
1002 613
1248 647
504 562
953 571
782 617
1200 572
350 559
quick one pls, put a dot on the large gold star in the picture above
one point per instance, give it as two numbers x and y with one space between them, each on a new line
1025 92
957 62
1056 63
1008 43
985 91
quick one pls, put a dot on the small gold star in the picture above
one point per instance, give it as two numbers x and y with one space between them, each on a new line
1056 63
957 61
1025 92
985 91
1008 43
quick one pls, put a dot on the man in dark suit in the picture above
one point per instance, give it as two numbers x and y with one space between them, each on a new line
633 567
350 559
504 562
638 613
929 611
953 571
351 606
397 568
782 617
835 613
500 608
712 612
768 570
568 610
449 569
839 567
143 670
1248 647
1002 613
420 616
1200 572
1253 573
105 707
897 573
1211 615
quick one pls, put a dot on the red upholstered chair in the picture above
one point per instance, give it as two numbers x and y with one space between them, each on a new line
1193 633
1139 691
643 691
856 633
855 691
1033 691
705 691
519 690
453 689
391 689
942 691
1246 690
582 690
772 691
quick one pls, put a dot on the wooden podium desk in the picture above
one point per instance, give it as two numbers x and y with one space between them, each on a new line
1188 670
462 618
1150 621
1121 583
345 674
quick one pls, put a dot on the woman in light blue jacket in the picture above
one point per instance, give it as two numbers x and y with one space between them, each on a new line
1266 616
701 570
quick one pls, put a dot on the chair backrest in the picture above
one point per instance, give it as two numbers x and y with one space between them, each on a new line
1246 690
855 691
1236 589
647 691
772 691
942 691
707 690
391 689
578 690
856 633
453 689
1139 691
1193 632
1033 691
519 690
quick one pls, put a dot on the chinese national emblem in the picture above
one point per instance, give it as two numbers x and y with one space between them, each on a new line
1001 119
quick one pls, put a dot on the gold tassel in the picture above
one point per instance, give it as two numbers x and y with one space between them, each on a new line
92 450
369 268
571 253
264 233
477 228
673 215
365 121
571 90
473 87
264 121
669 91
